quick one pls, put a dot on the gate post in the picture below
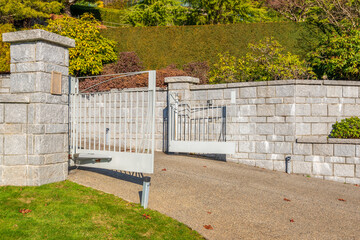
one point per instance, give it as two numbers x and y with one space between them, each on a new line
34 113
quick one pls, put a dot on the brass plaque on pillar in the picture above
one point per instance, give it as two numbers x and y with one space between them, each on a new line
55 83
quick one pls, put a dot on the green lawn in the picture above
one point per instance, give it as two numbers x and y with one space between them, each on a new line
66 210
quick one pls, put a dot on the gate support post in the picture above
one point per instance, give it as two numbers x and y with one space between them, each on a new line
34 112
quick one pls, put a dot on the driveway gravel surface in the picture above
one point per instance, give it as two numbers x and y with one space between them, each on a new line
238 201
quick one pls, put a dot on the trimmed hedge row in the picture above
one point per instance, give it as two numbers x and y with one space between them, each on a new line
159 47
102 14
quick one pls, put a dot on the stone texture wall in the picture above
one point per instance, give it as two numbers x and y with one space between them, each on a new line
34 122
268 119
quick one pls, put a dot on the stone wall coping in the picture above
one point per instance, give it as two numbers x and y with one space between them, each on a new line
326 140
5 75
38 35
182 79
13 98
276 83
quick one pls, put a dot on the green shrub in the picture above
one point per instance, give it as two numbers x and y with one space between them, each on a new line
337 56
264 62
159 47
92 49
346 128
106 15
5 49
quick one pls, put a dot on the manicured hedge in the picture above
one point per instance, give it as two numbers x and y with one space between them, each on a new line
102 14
159 47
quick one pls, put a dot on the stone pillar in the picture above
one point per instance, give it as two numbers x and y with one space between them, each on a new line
181 86
34 117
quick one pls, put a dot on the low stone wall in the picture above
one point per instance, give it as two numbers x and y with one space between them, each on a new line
267 118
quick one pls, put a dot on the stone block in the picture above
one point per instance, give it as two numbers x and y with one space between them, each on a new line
319 129
285 91
275 119
319 110
2 113
335 159
22 82
303 109
56 158
61 128
277 157
264 147
52 173
314 158
267 164
15 113
285 109
266 110
22 52
199 95
274 100
298 158
323 168
246 128
247 162
248 92
257 156
352 180
247 110
357 170
335 110
246 147
350 92
303 129
310 91
264 128
279 166
15 144
10 128
344 170
13 160
258 119
302 149
216 94
275 138
266 91
57 55
228 92
336 179
334 91
301 167
351 110
51 143
352 160
323 149
344 150
14 175
51 113
36 159
285 129
283 147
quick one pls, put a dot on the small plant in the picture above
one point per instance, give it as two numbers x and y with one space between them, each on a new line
5 49
346 128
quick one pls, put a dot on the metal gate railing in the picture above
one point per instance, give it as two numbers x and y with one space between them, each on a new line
114 130
197 128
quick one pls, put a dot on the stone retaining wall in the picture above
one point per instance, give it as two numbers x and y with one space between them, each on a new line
267 118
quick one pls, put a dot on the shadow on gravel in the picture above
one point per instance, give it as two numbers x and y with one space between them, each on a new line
132 177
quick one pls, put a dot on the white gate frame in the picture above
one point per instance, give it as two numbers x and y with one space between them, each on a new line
186 143
102 154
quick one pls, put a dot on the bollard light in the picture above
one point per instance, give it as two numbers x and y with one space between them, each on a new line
145 192
287 161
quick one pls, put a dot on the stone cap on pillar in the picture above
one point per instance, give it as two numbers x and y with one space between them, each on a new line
182 79
38 35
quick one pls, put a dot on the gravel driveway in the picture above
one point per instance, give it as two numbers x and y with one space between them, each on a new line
238 201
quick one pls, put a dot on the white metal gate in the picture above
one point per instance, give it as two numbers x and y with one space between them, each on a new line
197 128
115 129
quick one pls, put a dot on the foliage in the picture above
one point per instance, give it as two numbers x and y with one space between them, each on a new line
294 10
346 128
199 70
337 56
5 49
49 211
107 15
226 11
92 49
264 62
159 47
15 10
127 62
157 13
